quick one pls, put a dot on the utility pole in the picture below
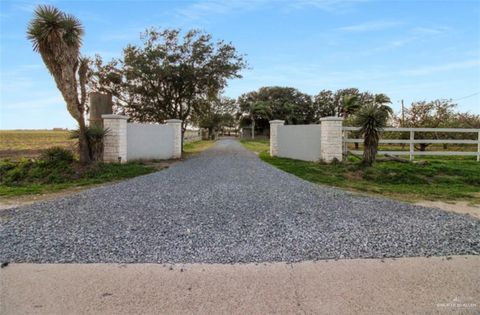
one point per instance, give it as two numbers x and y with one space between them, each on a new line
403 114
403 121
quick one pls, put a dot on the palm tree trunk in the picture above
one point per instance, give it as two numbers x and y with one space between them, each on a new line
370 148
253 128
83 148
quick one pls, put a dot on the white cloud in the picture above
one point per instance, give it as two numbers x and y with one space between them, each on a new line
29 6
127 34
467 64
53 101
370 26
204 9
428 31
337 6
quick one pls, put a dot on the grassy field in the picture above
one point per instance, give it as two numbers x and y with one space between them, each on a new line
443 178
21 176
16 144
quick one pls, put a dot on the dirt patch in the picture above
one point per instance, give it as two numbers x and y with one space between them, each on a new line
12 202
161 164
463 207
358 175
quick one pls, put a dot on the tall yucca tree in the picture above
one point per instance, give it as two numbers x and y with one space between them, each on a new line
372 119
57 36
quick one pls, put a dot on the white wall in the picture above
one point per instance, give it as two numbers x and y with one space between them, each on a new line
149 141
301 142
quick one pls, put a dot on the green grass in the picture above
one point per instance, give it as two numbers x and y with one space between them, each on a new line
26 177
197 146
443 178
256 146
20 176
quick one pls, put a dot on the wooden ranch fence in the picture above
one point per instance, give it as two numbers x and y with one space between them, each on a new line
412 141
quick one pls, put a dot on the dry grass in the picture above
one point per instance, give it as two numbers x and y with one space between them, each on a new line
15 144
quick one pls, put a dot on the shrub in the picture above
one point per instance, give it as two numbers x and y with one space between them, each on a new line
95 135
57 155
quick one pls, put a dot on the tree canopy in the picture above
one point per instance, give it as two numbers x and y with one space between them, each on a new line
438 113
218 114
276 102
295 107
169 76
345 102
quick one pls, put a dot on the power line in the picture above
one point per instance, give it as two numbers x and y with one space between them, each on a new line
464 97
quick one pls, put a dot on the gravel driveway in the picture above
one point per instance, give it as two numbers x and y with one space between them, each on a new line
226 206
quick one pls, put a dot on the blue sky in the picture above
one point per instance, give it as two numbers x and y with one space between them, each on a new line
410 50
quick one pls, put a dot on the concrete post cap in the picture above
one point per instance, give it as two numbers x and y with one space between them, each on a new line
113 116
277 121
331 118
173 121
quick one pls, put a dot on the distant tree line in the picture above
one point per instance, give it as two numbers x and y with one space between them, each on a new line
436 114
295 107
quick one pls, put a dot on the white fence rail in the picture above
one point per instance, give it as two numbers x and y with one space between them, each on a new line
412 141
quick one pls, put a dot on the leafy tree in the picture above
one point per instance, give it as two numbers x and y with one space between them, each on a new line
372 118
276 102
324 104
345 102
219 113
437 114
57 36
169 76
256 111
434 114
465 120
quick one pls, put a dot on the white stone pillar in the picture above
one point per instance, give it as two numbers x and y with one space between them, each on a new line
115 142
274 136
177 137
331 138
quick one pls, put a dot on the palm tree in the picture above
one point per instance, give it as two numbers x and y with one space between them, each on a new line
350 105
57 36
372 119
258 110
382 100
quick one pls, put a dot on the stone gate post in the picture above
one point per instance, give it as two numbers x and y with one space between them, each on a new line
331 138
177 137
115 142
274 136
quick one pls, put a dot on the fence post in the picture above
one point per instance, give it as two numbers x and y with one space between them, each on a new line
274 136
331 145
478 149
115 142
177 137
345 144
412 145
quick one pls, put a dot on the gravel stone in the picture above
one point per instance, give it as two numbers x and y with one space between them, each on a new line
227 206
